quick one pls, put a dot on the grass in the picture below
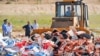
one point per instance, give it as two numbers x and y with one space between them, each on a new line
19 20
94 21
44 20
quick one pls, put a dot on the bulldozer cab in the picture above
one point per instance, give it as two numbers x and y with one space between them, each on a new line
70 13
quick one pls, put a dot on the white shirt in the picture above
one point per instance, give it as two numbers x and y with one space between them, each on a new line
35 26
9 28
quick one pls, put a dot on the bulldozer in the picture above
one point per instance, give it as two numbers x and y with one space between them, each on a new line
69 13
78 14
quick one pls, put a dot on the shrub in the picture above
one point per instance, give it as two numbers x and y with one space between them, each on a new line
8 2
1 0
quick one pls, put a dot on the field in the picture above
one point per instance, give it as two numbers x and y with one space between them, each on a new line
94 21
44 20
19 21
19 14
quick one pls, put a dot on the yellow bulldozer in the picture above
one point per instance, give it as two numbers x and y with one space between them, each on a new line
69 13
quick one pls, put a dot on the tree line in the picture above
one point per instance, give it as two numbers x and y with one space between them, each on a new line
28 1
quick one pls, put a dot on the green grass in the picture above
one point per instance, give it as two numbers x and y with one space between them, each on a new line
44 20
94 21
19 20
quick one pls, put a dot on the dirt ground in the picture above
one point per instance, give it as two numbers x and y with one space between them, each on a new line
31 9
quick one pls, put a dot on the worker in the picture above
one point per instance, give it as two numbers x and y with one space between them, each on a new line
4 28
35 25
9 29
27 29
68 12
